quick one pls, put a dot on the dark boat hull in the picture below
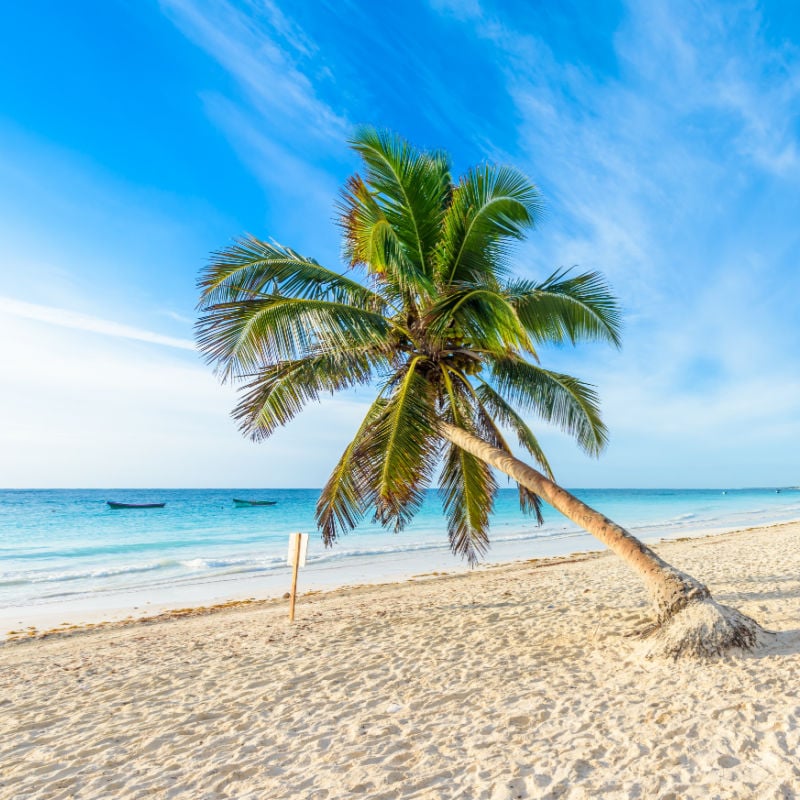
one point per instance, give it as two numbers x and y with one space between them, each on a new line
135 505
246 503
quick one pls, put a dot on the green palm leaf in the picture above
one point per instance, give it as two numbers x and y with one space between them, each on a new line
557 398
412 189
487 429
467 485
498 408
529 501
245 336
278 394
492 207
349 491
481 316
467 488
371 240
404 447
563 308
250 268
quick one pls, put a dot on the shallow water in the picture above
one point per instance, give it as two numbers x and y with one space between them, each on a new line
67 548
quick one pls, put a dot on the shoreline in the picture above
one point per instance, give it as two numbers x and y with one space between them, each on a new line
71 562
99 619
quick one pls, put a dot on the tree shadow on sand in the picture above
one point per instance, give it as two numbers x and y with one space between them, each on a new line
783 589
773 641
777 643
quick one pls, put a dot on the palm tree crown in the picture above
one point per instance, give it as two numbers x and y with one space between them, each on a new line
430 312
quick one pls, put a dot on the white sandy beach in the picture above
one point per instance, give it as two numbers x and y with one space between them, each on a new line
514 681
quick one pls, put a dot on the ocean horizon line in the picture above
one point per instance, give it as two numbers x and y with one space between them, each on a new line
432 489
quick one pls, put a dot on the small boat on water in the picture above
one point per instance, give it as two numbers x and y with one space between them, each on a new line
246 503
112 504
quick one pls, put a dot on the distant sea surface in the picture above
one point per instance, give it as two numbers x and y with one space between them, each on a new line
66 552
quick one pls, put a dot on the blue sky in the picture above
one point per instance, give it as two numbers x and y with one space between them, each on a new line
136 137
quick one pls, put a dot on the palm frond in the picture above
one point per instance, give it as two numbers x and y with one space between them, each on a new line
561 399
491 207
349 491
506 415
562 308
403 447
529 501
467 488
487 429
411 187
250 268
245 336
467 485
371 241
483 318
279 393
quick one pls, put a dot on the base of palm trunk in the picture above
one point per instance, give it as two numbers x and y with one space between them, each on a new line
704 629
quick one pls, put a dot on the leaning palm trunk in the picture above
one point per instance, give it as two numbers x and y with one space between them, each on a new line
688 619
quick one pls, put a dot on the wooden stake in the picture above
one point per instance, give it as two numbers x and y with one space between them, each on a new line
295 570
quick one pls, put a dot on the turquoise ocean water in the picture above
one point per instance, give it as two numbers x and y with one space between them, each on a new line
62 549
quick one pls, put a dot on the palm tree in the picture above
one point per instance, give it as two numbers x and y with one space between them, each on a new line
430 311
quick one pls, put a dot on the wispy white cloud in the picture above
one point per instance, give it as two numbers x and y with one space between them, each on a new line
290 139
720 61
82 409
260 47
65 318
275 164
460 9
174 315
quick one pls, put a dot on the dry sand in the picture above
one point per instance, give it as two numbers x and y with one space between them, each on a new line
509 682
